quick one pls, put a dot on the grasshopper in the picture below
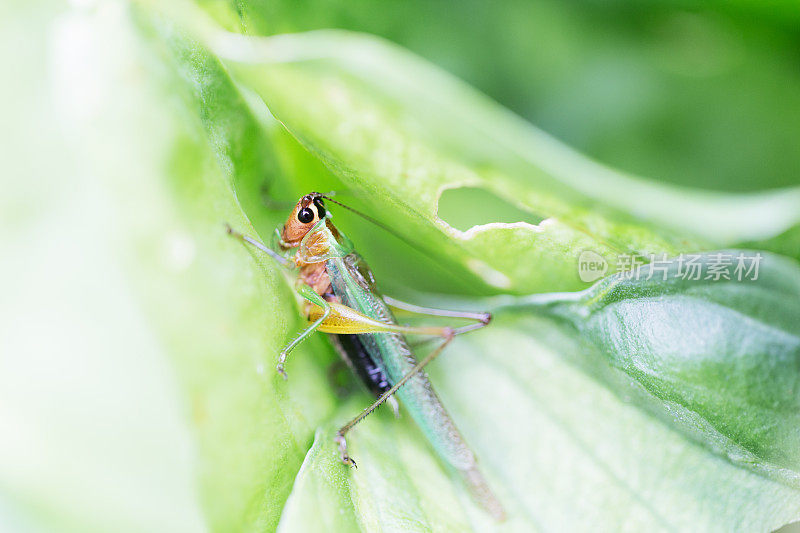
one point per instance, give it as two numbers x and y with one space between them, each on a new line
341 299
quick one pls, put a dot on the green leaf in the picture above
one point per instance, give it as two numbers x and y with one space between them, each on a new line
562 449
719 354
708 98
394 129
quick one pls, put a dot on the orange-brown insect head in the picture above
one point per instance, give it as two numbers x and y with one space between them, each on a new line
308 211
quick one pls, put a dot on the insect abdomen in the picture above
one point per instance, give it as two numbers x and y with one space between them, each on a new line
359 359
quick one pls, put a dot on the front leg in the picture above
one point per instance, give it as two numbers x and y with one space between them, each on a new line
311 295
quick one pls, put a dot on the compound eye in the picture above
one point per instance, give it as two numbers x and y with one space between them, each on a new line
320 207
305 215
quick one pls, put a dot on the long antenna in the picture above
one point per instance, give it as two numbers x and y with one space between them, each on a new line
367 218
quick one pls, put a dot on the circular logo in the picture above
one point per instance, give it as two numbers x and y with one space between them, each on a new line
591 266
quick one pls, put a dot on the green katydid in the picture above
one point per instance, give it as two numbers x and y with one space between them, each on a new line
341 299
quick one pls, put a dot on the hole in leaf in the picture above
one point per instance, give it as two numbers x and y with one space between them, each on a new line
465 207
